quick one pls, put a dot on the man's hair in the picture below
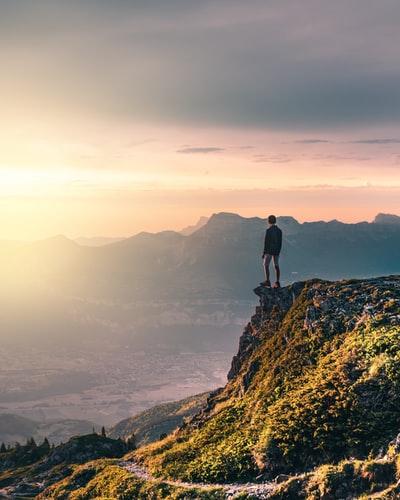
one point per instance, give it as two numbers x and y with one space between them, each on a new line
272 219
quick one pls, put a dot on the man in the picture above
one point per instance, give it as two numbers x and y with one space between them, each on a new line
272 249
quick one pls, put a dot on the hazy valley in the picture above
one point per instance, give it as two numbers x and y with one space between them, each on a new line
102 387
310 410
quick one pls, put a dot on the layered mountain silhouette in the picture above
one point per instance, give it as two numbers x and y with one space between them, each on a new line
187 280
222 258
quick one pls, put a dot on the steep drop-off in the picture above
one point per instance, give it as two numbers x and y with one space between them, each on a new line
316 380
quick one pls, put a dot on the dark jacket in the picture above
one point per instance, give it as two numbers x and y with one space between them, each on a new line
273 241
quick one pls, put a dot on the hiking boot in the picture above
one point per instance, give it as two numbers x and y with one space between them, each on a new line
276 284
266 283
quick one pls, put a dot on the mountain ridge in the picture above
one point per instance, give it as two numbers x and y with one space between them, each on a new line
95 241
382 218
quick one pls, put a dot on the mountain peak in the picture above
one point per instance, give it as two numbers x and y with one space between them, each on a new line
386 219
186 231
224 217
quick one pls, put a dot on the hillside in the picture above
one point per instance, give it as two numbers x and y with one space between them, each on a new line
311 409
148 425
316 375
25 470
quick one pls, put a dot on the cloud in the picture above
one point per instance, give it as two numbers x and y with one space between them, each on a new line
203 150
377 141
278 158
252 64
312 141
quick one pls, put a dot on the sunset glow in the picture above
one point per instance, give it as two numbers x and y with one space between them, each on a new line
122 118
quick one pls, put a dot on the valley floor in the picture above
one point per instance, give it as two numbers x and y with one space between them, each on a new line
103 385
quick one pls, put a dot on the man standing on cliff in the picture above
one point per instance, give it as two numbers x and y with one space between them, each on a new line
272 249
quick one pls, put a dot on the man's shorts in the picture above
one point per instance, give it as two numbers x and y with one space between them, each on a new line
268 258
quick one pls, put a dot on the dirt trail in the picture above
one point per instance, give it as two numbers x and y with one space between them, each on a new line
259 490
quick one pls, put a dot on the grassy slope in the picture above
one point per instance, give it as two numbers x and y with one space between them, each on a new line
150 424
318 397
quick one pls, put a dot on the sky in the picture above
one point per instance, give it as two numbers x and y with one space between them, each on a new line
126 116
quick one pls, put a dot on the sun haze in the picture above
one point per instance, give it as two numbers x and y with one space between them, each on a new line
123 117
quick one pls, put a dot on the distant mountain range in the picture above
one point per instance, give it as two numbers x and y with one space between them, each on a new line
219 263
220 259
101 241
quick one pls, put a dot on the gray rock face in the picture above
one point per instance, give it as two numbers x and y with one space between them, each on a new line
274 304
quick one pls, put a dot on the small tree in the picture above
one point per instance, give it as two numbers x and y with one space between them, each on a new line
131 442
31 443
45 446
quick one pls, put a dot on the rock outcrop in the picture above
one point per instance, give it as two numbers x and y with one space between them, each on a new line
274 304
333 307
